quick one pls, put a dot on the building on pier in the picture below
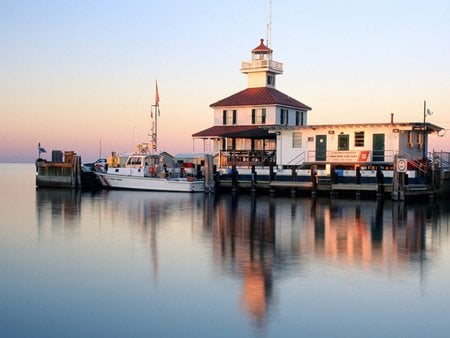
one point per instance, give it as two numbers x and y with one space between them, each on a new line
261 134
240 134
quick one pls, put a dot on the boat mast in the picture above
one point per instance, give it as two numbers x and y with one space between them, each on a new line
155 109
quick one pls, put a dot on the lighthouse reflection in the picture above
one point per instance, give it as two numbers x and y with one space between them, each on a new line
244 244
262 241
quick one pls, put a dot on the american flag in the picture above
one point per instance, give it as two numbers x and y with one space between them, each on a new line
157 94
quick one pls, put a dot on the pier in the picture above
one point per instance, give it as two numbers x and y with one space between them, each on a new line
326 180
63 171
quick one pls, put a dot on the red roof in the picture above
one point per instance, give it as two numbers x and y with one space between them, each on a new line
259 96
262 48
253 131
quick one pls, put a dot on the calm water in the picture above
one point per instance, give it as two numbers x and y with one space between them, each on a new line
139 264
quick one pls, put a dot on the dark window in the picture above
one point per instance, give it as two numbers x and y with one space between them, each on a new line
284 116
253 116
299 118
224 117
234 116
343 142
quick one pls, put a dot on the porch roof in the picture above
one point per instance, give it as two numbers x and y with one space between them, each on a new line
255 132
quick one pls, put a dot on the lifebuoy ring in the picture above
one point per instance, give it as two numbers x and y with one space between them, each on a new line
151 171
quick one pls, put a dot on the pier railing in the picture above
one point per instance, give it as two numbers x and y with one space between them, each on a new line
441 159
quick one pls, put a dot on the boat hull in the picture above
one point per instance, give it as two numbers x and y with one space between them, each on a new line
115 181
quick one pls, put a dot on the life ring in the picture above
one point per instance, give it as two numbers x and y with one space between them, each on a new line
151 171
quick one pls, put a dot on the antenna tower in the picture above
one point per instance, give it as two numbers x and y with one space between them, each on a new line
269 26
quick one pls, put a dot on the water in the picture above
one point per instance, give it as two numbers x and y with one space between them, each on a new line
139 264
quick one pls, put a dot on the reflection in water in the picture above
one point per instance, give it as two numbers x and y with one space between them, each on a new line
244 245
58 209
260 240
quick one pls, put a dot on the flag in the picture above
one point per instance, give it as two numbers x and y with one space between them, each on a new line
41 149
157 94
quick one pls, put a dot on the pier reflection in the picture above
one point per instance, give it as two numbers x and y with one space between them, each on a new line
58 209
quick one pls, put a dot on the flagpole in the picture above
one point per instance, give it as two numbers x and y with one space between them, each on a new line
155 124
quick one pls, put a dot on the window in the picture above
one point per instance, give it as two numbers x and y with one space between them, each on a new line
259 116
284 116
359 139
343 142
299 118
270 80
296 139
229 117
230 144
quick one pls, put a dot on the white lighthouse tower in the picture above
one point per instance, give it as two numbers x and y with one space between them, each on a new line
261 70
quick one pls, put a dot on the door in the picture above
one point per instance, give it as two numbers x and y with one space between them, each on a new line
321 147
378 148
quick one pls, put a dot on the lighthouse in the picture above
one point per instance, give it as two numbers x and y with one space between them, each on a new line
242 120
261 70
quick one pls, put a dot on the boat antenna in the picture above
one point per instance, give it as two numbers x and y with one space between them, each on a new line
155 108
269 26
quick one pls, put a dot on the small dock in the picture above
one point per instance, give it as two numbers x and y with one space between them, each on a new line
64 171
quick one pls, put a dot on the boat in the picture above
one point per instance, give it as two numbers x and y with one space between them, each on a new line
143 171
146 169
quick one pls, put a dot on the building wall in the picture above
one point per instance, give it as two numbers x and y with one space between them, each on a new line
273 115
305 149
244 115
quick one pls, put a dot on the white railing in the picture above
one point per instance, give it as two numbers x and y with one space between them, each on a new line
256 64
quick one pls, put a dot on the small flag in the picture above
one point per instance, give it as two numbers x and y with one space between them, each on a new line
41 149
157 94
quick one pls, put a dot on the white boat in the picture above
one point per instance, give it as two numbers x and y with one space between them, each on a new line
146 172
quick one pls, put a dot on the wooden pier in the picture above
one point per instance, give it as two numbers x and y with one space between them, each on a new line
245 180
58 172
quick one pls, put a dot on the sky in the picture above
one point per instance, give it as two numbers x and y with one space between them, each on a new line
80 75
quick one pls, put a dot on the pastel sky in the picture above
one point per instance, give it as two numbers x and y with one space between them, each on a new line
77 74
